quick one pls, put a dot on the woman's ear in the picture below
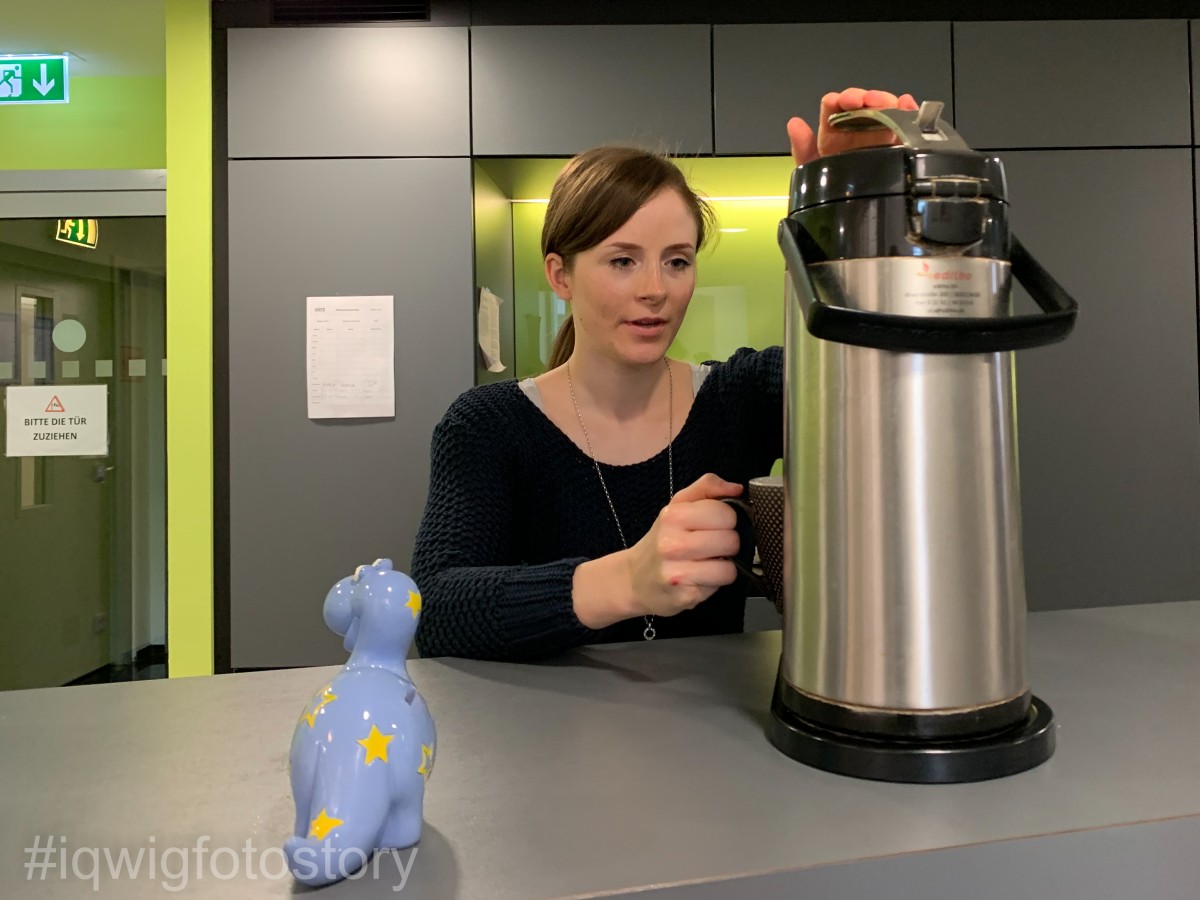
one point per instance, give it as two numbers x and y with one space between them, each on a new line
558 276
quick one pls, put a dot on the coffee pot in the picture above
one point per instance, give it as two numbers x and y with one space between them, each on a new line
903 652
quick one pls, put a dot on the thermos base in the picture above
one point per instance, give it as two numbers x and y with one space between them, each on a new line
1023 746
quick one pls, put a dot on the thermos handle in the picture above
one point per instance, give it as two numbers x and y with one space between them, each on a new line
928 334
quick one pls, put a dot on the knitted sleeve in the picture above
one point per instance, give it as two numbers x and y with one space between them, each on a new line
475 603
754 380
770 377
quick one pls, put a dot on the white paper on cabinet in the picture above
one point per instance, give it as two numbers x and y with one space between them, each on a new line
351 364
488 326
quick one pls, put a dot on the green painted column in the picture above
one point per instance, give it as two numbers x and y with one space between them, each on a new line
189 339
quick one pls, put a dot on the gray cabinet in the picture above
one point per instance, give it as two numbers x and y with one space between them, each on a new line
311 499
1109 438
765 74
327 92
1072 84
1194 27
558 90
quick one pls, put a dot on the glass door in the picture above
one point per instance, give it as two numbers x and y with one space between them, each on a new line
83 474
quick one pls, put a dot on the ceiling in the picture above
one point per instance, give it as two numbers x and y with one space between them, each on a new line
104 37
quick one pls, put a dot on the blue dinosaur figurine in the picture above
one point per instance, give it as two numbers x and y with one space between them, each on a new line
364 746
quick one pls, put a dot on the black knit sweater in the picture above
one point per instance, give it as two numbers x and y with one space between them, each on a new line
514 506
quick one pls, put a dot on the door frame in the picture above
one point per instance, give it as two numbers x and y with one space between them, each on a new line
102 193
62 193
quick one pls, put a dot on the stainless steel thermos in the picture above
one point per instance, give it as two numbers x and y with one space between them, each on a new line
904 604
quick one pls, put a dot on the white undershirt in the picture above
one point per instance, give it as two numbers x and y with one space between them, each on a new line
699 373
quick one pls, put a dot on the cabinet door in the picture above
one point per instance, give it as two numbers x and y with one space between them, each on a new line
1194 26
765 74
329 92
312 499
1109 438
1072 84
557 90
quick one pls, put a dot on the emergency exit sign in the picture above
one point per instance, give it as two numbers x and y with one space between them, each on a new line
33 79
80 232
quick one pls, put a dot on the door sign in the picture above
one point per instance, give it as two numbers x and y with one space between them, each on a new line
56 420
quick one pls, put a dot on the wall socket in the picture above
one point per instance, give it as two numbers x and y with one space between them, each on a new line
99 623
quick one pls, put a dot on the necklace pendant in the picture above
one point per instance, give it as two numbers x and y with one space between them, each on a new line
649 634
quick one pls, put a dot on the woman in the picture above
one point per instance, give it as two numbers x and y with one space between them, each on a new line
585 505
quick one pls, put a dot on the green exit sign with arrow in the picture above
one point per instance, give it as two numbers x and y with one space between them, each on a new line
80 232
33 79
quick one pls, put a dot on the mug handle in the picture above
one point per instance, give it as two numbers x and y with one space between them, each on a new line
757 581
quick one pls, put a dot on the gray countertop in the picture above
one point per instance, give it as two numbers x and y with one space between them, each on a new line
622 768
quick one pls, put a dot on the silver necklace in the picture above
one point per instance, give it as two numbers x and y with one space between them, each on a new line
649 632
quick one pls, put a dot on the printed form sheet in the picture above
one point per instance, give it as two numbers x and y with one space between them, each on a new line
351 364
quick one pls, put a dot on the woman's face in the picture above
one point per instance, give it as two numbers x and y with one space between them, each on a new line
628 294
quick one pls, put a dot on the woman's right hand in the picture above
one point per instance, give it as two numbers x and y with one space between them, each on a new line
684 557
681 562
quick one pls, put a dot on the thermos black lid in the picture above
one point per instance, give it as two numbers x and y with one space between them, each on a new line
928 195
888 171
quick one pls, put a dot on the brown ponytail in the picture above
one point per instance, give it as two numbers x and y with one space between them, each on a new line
596 193
564 344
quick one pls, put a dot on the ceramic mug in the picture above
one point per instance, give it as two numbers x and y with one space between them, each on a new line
765 511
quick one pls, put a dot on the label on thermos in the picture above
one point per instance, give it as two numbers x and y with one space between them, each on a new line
943 287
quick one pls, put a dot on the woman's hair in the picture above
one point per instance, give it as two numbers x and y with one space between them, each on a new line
596 193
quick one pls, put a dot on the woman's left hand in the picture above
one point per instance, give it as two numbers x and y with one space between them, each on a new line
807 146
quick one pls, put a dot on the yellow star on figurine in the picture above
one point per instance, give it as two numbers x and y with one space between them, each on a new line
376 744
322 825
414 603
426 761
327 697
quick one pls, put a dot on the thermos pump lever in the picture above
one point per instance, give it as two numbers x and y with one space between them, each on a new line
927 118
923 128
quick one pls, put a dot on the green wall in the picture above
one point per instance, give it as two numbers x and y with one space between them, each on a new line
739 285
110 123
